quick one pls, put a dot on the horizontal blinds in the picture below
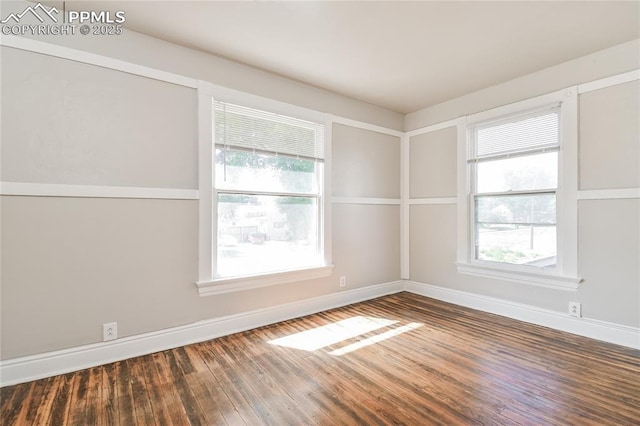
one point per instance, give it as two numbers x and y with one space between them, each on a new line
533 132
247 128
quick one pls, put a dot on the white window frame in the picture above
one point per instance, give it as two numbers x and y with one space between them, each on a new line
565 275
208 283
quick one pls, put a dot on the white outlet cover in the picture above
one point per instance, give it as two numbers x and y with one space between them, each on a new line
575 309
109 331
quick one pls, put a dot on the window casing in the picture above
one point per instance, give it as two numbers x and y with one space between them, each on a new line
264 217
517 192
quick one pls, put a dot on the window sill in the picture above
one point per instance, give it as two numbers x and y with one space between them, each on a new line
540 279
234 284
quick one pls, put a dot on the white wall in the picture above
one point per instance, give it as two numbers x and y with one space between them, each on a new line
609 160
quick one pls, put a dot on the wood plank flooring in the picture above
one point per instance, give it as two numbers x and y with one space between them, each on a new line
399 359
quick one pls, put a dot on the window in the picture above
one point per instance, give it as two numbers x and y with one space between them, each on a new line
517 192
263 216
514 180
269 185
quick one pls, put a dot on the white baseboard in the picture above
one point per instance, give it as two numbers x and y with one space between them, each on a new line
595 329
24 369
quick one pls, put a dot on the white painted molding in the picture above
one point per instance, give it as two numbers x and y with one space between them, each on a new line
567 193
327 206
524 106
609 194
433 200
518 274
609 81
207 250
235 284
93 191
595 329
24 369
94 59
405 214
363 200
365 126
433 127
463 188
246 99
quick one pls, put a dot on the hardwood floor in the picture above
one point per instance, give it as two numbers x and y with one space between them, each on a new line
400 359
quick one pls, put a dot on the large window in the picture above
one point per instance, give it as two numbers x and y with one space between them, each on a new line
517 192
263 172
269 185
514 170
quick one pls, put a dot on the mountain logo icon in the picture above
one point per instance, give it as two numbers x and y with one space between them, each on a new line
38 11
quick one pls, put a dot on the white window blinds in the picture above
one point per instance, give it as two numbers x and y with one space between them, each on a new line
533 132
246 128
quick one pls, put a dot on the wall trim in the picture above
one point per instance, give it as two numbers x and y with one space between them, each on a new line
608 194
595 329
364 200
94 191
243 283
365 126
609 81
405 214
433 200
433 127
81 56
521 275
33 367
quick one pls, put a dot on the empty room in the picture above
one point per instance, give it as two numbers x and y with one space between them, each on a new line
319 213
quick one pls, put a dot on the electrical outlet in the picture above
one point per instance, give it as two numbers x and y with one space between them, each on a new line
575 309
109 331
343 281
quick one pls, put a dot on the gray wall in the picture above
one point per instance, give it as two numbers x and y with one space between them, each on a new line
366 164
429 175
609 148
66 122
608 230
71 264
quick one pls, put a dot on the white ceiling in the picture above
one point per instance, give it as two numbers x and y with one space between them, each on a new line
403 56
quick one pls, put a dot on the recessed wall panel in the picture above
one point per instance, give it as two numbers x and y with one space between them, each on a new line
366 243
610 137
433 243
71 264
433 164
365 163
609 247
66 122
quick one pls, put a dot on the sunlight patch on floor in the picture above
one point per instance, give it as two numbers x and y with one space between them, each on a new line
376 339
330 334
